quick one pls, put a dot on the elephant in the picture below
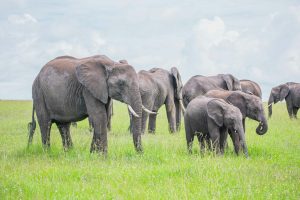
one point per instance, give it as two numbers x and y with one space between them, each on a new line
157 87
250 106
289 91
211 118
251 87
199 85
69 89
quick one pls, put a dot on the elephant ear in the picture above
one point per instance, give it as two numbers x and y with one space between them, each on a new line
215 111
229 81
176 78
239 100
284 91
93 76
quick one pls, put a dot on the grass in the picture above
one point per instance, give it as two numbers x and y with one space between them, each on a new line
164 171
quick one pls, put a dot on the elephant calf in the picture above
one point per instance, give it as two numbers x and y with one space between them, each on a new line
211 117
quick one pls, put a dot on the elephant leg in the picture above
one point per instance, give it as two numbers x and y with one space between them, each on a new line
171 115
289 108
215 138
90 125
189 134
45 124
223 139
201 140
295 111
152 123
45 128
64 129
235 141
98 115
189 139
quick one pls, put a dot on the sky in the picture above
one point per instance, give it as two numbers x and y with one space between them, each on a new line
256 40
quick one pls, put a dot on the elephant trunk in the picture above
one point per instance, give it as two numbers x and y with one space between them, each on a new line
262 128
178 114
271 100
135 103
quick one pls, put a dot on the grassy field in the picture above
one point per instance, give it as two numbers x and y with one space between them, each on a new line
164 171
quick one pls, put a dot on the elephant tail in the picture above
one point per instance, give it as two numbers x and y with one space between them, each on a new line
31 127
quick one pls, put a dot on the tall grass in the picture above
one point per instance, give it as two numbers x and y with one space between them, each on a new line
164 171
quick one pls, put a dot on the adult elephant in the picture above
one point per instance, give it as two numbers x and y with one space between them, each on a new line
289 91
158 87
199 85
251 87
250 106
68 89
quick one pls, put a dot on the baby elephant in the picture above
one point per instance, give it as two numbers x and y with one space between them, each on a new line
211 118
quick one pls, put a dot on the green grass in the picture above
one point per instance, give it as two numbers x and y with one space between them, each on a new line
164 171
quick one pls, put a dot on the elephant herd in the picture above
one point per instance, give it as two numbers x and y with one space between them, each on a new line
69 89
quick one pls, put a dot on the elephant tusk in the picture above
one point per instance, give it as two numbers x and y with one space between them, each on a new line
132 111
182 106
148 111
269 104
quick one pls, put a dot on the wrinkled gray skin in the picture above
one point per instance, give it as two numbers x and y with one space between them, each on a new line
211 118
251 87
68 90
158 87
199 85
289 91
250 106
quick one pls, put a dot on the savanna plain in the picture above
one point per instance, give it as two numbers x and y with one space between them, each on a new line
164 171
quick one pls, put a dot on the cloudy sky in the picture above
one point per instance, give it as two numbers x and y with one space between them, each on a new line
257 40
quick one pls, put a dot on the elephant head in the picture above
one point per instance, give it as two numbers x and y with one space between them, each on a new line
250 106
277 94
107 79
232 82
224 114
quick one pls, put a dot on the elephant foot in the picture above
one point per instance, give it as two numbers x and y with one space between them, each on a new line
46 147
151 131
138 146
172 130
97 147
68 147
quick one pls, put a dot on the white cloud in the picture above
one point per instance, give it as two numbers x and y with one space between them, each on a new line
211 48
295 10
22 19
253 40
170 12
